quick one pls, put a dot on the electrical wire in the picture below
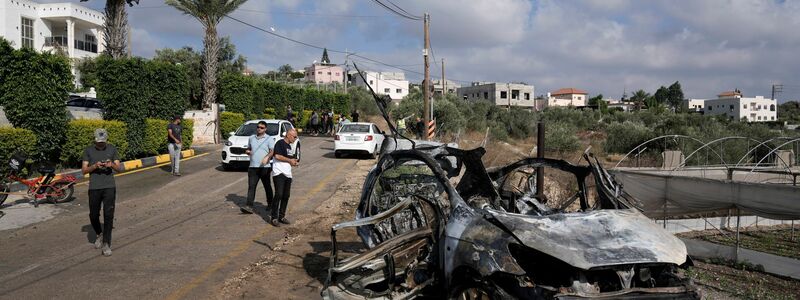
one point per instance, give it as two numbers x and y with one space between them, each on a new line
404 15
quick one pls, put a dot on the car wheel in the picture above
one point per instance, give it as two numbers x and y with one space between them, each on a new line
226 167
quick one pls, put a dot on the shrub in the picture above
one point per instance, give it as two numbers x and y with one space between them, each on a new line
169 90
80 134
229 122
560 137
623 137
236 92
13 140
33 89
156 136
187 135
124 97
448 118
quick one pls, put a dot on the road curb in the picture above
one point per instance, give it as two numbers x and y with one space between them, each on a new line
129 165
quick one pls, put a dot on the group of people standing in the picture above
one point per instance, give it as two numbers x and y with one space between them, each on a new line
324 123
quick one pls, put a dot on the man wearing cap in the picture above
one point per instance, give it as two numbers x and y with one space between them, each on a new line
174 139
101 160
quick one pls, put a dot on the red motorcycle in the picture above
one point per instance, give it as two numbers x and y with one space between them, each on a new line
43 188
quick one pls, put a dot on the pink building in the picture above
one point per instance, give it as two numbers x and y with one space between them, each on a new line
324 71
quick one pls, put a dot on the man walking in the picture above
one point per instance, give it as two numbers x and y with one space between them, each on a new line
175 144
260 168
282 165
101 160
355 116
420 128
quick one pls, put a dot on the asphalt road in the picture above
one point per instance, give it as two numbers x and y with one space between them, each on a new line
174 237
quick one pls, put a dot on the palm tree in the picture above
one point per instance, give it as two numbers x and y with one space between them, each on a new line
209 13
639 98
115 31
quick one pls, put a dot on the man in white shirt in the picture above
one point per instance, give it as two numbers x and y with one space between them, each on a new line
283 161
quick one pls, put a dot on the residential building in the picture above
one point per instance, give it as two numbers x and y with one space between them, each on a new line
438 87
500 94
737 107
69 27
567 97
694 105
393 84
325 72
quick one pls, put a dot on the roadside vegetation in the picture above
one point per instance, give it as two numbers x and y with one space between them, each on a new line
778 240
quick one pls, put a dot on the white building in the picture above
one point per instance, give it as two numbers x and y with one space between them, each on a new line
694 105
75 29
736 107
393 84
567 97
439 86
500 94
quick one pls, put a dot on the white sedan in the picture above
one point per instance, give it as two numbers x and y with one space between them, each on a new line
358 138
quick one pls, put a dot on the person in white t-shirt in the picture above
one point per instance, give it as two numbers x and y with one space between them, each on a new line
283 161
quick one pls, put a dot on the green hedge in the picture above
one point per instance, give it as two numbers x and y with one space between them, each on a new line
33 89
253 97
80 134
134 89
155 139
229 122
13 140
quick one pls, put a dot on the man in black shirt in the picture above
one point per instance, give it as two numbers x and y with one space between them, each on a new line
101 160
175 144
355 116
282 175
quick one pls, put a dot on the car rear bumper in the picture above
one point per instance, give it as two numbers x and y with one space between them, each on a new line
340 146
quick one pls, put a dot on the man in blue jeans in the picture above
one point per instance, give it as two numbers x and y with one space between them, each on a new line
258 147
282 164
175 144
101 160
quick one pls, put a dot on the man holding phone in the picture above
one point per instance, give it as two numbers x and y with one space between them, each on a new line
101 160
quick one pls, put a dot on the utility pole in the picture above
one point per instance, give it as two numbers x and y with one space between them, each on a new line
776 88
444 82
426 93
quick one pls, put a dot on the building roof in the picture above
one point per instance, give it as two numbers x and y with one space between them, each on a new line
730 94
568 91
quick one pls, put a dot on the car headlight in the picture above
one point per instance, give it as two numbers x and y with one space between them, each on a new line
228 143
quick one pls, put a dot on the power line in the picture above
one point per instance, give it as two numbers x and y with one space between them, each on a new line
400 8
404 15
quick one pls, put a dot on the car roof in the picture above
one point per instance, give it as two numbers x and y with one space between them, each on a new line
358 123
269 121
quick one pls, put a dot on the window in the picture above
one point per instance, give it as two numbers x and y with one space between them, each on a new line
773 118
370 82
386 90
772 107
514 94
319 72
26 30
398 91
731 106
329 73
745 106
710 108
759 118
527 96
503 95
485 95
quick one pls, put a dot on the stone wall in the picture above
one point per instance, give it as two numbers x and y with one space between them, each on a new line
204 125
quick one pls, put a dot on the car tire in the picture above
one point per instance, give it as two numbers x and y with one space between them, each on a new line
227 167
374 153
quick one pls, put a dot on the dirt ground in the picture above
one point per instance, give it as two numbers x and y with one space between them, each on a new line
719 281
296 267
779 240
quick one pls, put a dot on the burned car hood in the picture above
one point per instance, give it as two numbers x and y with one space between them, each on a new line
597 238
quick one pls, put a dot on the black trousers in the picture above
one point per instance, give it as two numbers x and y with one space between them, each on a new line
107 199
253 176
283 187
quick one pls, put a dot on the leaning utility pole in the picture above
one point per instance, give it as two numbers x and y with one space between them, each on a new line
776 88
444 82
426 93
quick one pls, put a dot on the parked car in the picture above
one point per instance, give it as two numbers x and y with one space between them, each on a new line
436 223
233 153
363 138
85 107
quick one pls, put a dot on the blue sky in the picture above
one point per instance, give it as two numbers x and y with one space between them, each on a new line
602 46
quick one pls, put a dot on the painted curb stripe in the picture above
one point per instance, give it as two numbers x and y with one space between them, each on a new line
126 166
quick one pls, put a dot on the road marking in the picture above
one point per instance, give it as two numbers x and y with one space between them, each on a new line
148 168
183 291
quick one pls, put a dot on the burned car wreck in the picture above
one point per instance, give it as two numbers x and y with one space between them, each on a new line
436 223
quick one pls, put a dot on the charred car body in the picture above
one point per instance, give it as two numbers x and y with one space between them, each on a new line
437 223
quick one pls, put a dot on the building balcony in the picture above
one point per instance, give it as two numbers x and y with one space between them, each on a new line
62 41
